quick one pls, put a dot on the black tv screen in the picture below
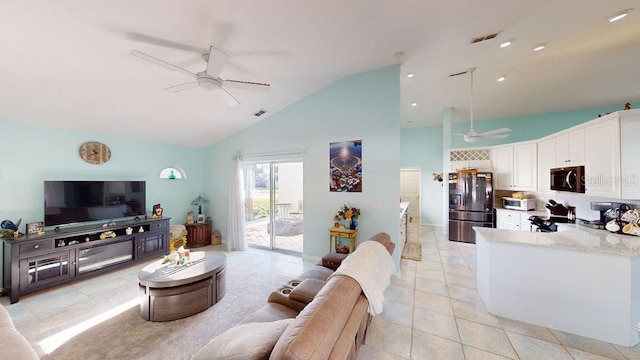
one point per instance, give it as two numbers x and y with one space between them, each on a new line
69 202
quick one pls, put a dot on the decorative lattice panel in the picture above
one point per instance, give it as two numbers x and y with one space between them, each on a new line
468 155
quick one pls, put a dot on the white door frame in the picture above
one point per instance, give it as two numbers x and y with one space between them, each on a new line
418 211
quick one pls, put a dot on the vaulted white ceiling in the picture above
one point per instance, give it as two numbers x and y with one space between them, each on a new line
67 63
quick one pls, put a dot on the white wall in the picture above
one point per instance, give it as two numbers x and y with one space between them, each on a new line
360 107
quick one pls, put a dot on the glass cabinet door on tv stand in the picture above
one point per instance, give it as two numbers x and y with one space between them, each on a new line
47 269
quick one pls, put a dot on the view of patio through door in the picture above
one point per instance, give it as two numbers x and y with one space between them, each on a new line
273 206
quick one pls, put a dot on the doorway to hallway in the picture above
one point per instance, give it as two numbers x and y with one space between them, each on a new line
410 180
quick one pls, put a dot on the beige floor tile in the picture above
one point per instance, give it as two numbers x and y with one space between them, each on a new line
432 286
398 313
457 269
389 337
435 323
629 353
404 280
531 330
529 348
438 303
430 274
486 338
465 294
474 312
429 265
399 294
427 346
587 344
583 355
471 353
460 280
368 352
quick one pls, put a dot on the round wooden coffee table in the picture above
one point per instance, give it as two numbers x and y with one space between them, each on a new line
170 293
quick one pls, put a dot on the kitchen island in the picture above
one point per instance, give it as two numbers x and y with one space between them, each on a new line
582 281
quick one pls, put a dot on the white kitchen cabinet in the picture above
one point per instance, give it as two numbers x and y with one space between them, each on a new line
570 148
546 161
602 158
515 167
629 151
512 220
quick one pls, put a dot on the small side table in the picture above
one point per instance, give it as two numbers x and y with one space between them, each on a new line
198 234
336 233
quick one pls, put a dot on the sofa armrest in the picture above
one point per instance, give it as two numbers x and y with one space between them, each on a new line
306 290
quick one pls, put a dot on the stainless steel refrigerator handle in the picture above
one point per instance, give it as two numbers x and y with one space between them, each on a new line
567 180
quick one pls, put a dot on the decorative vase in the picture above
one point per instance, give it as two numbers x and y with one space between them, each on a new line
354 224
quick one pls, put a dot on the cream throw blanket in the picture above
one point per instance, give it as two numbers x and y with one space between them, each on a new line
371 266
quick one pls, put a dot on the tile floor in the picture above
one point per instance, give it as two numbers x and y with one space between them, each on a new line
434 311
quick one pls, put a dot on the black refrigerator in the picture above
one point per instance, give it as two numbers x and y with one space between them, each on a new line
470 204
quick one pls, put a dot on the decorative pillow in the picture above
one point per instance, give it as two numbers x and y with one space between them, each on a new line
253 341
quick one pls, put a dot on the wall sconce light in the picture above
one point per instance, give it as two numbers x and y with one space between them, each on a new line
173 173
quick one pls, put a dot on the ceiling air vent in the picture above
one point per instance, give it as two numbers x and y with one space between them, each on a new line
457 74
259 113
484 38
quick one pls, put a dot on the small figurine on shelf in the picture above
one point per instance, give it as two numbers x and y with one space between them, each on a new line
157 211
627 106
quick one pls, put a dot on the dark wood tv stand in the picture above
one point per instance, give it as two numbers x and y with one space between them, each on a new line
37 262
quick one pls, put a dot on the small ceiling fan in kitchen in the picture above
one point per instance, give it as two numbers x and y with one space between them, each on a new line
472 135
208 79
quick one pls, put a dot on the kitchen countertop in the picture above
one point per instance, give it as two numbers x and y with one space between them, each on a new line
541 213
576 237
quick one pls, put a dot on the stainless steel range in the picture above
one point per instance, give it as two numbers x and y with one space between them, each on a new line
470 204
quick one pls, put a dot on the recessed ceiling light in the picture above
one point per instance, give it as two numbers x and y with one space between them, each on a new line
410 75
414 104
619 15
502 78
506 43
539 47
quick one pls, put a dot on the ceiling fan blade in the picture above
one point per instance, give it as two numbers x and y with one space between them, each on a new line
217 61
228 98
247 85
496 131
182 87
494 136
163 42
161 63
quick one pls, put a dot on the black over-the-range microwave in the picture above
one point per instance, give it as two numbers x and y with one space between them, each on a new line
568 179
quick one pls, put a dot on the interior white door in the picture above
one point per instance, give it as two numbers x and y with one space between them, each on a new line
410 180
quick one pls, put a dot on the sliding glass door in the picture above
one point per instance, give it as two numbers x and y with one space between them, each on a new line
273 206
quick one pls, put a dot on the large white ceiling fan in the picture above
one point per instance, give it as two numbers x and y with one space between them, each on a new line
209 78
472 135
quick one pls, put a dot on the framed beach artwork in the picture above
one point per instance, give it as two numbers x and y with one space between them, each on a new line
345 166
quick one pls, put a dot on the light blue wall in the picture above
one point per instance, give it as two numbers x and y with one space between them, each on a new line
422 147
31 154
363 106
530 127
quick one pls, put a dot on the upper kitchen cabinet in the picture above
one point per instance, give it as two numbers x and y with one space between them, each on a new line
570 148
546 161
611 164
629 150
602 158
515 167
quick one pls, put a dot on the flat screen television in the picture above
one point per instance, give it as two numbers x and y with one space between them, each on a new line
71 202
